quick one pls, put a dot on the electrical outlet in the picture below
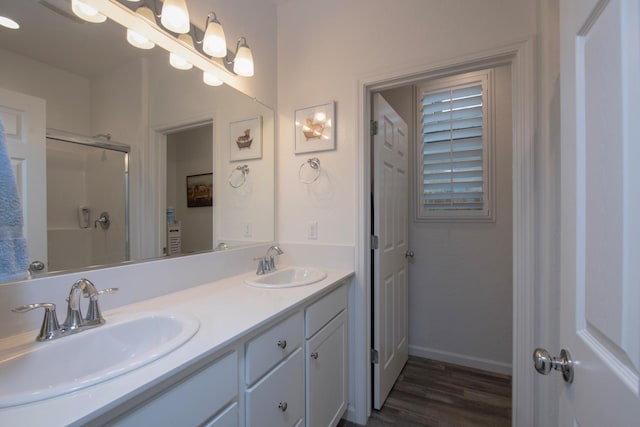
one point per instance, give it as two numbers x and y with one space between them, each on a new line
312 230
247 229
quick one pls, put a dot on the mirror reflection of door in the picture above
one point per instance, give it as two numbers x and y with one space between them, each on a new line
190 154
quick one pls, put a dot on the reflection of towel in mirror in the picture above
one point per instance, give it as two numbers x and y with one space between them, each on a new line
14 258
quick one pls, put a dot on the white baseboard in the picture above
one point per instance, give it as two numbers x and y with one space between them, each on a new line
461 359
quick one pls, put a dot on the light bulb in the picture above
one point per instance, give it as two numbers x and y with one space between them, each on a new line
135 38
86 12
243 62
175 16
138 40
178 61
211 79
9 23
215 43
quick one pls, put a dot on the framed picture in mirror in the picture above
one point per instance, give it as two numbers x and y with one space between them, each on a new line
200 190
245 139
315 128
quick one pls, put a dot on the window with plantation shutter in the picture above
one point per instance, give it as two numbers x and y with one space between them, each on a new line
454 148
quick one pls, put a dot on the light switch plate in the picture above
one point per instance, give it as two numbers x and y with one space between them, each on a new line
312 230
247 229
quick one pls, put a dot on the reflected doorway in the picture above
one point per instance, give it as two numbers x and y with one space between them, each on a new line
190 198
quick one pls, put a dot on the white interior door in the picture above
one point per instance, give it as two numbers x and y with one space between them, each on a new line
600 154
25 128
390 207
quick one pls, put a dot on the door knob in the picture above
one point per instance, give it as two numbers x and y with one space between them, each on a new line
544 363
36 266
409 255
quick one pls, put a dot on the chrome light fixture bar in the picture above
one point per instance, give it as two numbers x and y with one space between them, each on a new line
147 32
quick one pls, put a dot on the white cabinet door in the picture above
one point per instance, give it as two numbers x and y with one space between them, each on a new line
600 289
326 355
277 400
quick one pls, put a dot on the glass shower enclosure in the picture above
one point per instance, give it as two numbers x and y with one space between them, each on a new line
87 201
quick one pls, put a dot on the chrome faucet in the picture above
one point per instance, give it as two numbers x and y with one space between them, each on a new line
268 263
74 322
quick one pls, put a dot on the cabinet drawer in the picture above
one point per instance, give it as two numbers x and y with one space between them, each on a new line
269 348
320 312
278 399
192 401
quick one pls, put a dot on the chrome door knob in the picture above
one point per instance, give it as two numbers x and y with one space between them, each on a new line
544 363
282 344
409 255
283 406
36 266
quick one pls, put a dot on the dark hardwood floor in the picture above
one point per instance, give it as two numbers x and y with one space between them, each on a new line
431 393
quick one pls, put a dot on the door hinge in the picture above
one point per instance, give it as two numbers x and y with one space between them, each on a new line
374 356
374 127
374 242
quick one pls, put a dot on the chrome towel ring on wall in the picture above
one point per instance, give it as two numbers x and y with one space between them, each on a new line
238 176
309 171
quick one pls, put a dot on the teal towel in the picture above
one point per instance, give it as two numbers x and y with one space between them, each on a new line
14 257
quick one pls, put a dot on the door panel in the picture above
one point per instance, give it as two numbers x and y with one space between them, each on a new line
24 120
600 201
391 206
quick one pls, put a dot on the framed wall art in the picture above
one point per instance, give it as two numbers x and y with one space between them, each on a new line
200 190
316 128
245 139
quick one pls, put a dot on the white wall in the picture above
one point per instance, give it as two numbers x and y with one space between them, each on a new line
67 95
460 286
324 50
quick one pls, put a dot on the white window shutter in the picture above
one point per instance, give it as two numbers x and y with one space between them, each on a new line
452 138
454 149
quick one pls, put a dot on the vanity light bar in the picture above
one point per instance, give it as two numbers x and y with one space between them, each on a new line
129 19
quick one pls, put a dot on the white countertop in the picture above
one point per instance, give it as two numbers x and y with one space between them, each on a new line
227 310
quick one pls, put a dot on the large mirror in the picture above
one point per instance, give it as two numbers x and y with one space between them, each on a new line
181 177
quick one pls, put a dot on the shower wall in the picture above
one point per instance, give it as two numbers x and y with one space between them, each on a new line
77 176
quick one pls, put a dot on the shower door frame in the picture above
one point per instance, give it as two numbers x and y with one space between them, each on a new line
104 144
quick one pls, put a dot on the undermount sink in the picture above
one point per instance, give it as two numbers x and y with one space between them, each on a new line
41 370
288 278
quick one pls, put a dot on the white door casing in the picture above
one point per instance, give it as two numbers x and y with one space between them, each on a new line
390 207
24 119
600 202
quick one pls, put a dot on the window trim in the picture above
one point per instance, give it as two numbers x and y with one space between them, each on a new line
487 214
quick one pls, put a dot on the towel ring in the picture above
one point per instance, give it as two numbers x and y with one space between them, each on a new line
314 167
238 173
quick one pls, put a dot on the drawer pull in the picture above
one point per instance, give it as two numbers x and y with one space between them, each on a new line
314 355
282 406
282 344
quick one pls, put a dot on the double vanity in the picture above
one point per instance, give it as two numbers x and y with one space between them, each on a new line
246 350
